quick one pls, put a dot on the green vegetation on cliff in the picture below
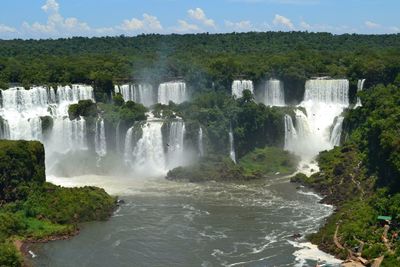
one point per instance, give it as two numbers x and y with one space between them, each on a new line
362 179
31 209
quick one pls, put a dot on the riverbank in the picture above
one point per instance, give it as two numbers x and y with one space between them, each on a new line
353 231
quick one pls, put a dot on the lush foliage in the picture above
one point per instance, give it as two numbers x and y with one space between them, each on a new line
21 163
269 161
257 164
34 210
253 125
84 108
376 129
362 178
212 61
210 169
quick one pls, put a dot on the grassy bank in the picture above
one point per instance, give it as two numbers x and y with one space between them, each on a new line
255 165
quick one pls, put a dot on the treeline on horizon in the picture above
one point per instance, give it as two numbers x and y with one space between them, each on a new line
204 61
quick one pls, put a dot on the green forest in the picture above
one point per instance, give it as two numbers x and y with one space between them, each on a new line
204 61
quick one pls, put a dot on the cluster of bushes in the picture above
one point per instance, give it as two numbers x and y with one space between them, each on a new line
260 163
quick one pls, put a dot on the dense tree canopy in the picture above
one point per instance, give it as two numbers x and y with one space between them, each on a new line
212 61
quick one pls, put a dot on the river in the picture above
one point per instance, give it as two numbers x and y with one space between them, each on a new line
164 223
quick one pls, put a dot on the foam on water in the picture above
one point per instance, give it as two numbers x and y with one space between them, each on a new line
309 252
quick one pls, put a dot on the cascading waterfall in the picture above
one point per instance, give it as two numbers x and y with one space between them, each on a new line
148 156
327 91
172 91
22 112
274 93
100 138
118 137
238 86
152 154
360 87
175 143
128 147
200 142
139 93
324 101
232 153
290 134
337 132
4 129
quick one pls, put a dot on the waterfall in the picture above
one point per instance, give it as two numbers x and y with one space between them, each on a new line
22 111
232 153
100 138
172 91
175 143
200 142
327 91
118 137
128 147
144 94
274 93
68 135
324 101
4 129
290 134
337 131
238 86
148 157
360 87
139 93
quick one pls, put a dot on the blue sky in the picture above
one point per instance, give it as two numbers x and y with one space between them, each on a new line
65 18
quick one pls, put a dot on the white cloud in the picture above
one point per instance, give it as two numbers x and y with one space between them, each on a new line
7 29
304 25
56 25
283 21
394 29
147 24
51 6
199 15
132 25
372 25
239 26
186 27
